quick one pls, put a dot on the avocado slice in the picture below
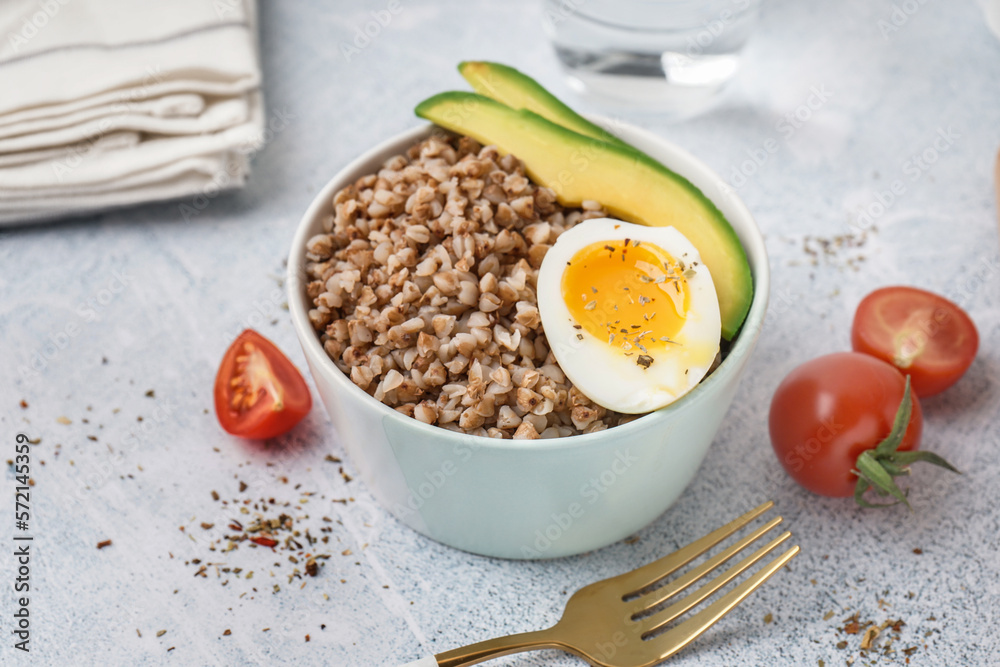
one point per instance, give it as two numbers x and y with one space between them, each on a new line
517 90
630 185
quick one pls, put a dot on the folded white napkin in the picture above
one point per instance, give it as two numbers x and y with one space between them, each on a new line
112 102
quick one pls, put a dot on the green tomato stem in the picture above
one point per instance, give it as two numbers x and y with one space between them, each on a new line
877 467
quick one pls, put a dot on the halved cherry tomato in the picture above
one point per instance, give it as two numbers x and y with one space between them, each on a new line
924 335
258 392
829 410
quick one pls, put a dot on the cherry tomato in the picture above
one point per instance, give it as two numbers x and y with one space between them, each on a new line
924 335
258 392
827 411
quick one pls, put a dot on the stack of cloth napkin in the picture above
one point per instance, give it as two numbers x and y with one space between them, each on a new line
105 103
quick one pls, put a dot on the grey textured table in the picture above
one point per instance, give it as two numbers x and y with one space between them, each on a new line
98 313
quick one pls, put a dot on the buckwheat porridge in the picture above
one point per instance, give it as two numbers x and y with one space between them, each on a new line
423 292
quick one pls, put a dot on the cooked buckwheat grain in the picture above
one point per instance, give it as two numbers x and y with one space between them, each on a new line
423 292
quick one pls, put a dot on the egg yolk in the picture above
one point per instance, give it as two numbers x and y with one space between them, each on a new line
632 294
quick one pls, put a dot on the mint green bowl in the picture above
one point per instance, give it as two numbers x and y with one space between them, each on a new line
529 498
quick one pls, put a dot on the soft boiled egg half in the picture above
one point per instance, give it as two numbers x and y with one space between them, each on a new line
630 313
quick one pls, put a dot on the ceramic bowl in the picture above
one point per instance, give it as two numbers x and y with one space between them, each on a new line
529 498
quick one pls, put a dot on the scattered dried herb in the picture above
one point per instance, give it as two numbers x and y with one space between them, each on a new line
834 248
264 541
870 644
870 635
851 625
286 533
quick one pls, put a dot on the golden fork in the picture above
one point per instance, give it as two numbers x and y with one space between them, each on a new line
618 622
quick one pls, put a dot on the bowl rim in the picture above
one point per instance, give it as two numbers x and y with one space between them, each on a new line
751 238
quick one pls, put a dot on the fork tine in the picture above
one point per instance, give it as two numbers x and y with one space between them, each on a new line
677 638
661 618
660 595
649 574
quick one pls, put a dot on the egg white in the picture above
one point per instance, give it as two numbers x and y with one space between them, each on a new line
601 370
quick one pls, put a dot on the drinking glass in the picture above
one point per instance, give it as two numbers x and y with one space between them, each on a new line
661 54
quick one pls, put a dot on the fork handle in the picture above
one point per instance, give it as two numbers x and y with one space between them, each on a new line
493 648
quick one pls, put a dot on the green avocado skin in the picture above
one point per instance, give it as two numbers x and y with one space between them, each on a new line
629 184
517 90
